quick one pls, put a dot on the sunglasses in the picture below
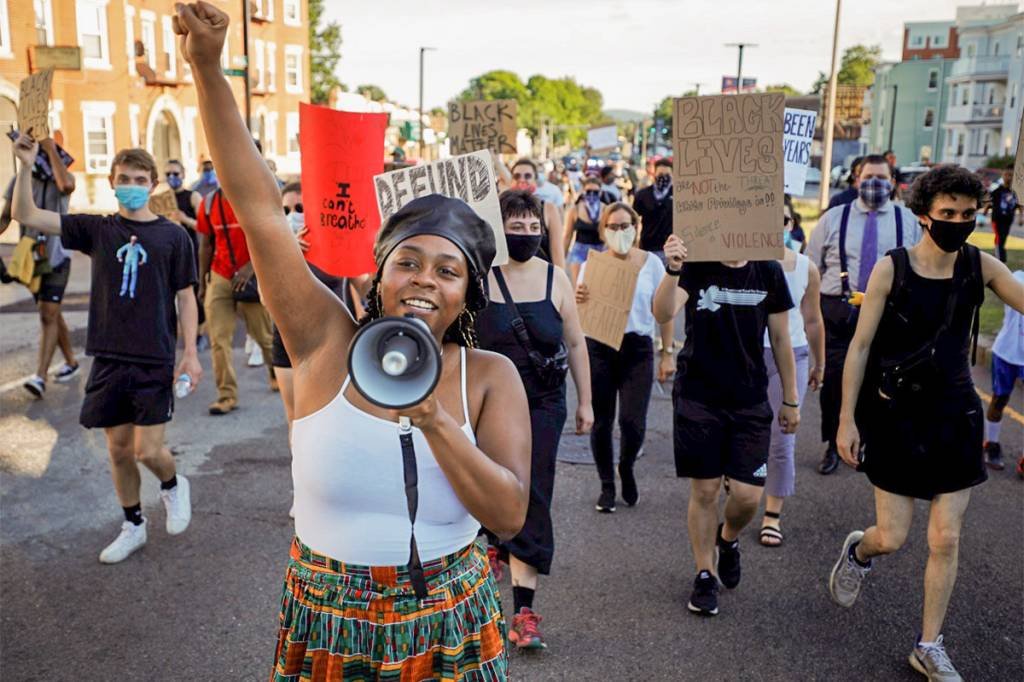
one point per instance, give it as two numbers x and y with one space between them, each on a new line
522 176
173 174
297 209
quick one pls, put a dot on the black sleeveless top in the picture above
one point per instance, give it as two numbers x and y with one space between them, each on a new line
916 311
184 199
543 323
586 232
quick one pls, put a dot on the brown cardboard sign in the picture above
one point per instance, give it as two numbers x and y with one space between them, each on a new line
492 124
611 283
164 204
728 176
1018 163
66 58
34 104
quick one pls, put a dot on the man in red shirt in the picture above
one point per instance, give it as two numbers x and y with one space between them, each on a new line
225 272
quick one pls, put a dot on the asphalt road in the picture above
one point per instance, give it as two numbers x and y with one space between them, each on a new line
203 605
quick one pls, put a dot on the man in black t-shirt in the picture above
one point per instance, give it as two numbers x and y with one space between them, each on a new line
141 266
1003 208
654 204
722 424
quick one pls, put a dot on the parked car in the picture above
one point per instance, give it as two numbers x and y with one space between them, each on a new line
813 176
907 176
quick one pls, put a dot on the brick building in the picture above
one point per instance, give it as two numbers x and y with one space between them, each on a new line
134 89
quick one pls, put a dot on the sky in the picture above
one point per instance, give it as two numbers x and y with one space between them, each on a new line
634 51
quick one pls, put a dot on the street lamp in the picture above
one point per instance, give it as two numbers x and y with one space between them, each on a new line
830 116
739 67
422 50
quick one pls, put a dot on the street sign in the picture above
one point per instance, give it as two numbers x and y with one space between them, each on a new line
235 72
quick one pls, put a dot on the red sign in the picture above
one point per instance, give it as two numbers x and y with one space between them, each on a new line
341 152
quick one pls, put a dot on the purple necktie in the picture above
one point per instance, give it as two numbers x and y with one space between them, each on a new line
868 250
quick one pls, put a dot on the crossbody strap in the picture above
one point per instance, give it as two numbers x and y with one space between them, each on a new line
518 326
412 499
899 226
844 270
224 226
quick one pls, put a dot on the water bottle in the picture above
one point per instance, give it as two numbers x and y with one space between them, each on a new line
182 386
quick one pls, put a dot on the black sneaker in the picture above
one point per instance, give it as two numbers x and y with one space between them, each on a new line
728 561
630 494
704 598
829 461
994 456
606 502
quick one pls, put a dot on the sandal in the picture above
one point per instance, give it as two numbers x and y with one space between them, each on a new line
771 536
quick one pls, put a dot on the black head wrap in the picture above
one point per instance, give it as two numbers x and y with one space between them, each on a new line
452 219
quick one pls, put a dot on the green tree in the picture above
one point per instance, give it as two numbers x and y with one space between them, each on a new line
857 68
372 92
785 88
496 85
324 54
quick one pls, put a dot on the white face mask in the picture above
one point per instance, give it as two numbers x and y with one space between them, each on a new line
296 221
621 241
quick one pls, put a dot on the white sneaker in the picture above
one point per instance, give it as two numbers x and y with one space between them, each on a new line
67 372
178 503
249 344
132 537
256 357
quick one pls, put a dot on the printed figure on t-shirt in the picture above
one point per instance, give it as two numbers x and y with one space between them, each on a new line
129 254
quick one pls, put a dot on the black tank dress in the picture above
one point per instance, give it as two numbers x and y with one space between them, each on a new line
535 544
184 200
931 444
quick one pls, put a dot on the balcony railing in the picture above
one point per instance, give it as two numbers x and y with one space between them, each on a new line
981 66
979 113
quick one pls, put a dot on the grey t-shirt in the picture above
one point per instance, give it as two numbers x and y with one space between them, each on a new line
46 196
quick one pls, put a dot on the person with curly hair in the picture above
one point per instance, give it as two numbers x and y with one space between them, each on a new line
909 396
364 597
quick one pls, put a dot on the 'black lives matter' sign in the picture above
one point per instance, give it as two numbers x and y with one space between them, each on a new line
492 124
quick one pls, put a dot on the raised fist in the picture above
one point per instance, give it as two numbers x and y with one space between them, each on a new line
203 29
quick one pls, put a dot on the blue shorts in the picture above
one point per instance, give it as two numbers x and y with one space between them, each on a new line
578 252
1004 374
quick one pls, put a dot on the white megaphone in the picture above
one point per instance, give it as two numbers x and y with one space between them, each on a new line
394 362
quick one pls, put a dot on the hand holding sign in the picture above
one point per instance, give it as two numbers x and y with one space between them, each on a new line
164 204
34 104
608 287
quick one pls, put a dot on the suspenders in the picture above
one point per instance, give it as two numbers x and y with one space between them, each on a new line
844 270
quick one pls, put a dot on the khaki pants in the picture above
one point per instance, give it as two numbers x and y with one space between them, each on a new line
221 309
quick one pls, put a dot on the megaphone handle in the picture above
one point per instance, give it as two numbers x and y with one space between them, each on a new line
411 476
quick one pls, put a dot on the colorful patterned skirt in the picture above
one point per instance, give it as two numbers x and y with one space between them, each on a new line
347 622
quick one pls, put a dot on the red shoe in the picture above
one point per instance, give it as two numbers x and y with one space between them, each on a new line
525 632
497 566
1020 466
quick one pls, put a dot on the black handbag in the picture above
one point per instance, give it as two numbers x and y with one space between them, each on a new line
250 293
550 369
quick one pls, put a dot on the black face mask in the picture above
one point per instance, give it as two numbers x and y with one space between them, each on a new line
950 236
522 247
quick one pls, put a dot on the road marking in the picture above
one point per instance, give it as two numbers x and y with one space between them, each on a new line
17 383
1014 414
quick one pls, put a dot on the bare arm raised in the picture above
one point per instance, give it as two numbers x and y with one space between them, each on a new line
308 315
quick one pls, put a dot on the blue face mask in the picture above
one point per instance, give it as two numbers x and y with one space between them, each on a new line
209 177
174 181
132 197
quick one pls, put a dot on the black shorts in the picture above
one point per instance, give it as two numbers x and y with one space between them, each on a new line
919 451
120 392
278 355
711 442
53 284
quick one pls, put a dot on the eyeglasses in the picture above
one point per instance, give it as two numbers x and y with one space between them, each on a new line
297 209
522 176
786 220
615 227
173 174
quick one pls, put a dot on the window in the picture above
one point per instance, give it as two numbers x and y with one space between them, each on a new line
260 74
270 134
991 95
44 21
133 125
939 41
1013 95
291 9
5 31
293 68
292 131
56 109
98 129
272 67
170 53
995 49
129 37
91 16
959 144
929 118
965 93
933 79
918 41
263 9
149 36
984 143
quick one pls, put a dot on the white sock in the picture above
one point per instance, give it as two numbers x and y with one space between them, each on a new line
924 644
992 430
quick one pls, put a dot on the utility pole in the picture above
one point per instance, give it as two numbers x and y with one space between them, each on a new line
892 115
830 115
422 50
696 88
739 66
246 18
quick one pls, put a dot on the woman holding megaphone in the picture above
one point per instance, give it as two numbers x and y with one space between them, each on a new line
364 596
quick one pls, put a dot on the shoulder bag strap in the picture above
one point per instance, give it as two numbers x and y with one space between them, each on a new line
978 285
224 226
412 499
518 326
899 225
844 270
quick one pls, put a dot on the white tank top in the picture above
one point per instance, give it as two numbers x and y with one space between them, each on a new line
797 282
350 489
